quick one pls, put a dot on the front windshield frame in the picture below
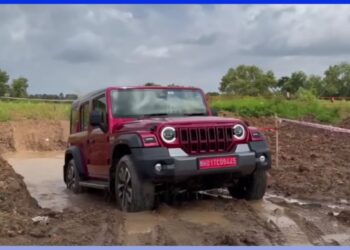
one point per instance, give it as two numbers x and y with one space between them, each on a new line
203 112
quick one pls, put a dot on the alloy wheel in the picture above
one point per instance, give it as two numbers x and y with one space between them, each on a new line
124 187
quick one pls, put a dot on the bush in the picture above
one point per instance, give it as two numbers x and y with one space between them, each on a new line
305 106
306 95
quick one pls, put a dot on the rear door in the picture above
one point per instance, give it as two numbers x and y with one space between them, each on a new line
80 130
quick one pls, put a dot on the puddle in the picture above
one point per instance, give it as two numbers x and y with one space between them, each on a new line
43 176
142 222
204 217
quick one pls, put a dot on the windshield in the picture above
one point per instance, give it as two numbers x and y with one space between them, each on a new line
157 102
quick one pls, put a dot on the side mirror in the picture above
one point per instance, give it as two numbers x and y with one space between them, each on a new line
96 118
214 112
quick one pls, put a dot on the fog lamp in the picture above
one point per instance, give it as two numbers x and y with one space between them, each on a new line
262 158
158 167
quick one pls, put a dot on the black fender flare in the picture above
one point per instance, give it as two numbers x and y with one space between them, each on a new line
122 145
132 140
74 153
129 141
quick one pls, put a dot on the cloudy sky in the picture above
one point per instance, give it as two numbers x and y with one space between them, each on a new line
82 48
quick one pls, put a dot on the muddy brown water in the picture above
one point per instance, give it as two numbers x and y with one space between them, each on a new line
43 175
219 220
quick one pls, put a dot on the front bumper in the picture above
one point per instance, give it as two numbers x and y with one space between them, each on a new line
176 165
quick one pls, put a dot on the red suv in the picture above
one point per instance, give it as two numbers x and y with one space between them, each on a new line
140 142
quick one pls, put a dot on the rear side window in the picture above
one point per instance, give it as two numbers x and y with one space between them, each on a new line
84 117
100 104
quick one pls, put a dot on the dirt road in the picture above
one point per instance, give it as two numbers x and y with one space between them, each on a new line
300 208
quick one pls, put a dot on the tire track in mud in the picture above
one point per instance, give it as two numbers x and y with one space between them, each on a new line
212 222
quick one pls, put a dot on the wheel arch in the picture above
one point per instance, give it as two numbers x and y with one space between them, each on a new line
73 153
119 150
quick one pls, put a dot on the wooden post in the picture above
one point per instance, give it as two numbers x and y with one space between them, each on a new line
277 131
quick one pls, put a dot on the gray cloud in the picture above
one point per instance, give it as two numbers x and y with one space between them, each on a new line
84 47
207 39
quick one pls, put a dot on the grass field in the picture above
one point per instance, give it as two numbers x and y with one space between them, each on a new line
17 110
321 110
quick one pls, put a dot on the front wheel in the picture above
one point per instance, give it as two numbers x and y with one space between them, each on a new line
252 187
132 193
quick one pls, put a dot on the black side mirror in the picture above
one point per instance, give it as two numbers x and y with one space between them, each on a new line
96 118
214 112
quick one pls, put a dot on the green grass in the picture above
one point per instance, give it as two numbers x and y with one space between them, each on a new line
321 110
18 110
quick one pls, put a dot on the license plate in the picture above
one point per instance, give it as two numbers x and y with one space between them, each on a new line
217 162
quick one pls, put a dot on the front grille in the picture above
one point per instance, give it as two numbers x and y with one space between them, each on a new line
206 139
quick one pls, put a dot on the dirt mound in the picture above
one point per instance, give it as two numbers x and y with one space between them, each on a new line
14 196
31 135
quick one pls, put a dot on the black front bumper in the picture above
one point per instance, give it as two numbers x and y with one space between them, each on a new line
177 168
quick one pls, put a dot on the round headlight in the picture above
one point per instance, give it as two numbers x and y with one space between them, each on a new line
238 132
168 134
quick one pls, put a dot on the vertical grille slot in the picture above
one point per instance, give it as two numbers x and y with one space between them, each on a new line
194 140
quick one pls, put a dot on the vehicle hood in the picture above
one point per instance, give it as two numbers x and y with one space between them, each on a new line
152 123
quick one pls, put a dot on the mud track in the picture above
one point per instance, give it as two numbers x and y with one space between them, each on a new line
306 204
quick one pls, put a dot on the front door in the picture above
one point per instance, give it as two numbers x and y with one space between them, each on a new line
99 143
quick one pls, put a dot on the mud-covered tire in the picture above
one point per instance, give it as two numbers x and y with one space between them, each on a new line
252 187
72 177
131 192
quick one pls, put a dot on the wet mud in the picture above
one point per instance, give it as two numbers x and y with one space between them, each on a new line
307 202
212 219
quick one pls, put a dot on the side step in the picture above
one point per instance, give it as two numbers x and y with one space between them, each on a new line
94 184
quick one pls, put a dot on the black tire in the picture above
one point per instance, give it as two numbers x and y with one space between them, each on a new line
252 187
132 193
72 177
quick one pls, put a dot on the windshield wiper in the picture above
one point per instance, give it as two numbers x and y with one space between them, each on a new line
153 115
195 114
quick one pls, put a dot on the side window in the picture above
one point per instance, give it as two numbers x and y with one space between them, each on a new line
84 117
100 104
74 120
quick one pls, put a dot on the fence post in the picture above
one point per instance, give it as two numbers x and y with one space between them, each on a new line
277 134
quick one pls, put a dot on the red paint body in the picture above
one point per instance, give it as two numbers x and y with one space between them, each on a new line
194 133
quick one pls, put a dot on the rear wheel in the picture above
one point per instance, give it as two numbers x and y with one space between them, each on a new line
72 177
132 193
252 187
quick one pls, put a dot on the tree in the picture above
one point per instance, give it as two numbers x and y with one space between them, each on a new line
293 83
71 97
337 80
213 94
4 87
149 84
316 85
247 80
19 87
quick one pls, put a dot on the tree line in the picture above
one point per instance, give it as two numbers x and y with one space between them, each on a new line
250 80
19 86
